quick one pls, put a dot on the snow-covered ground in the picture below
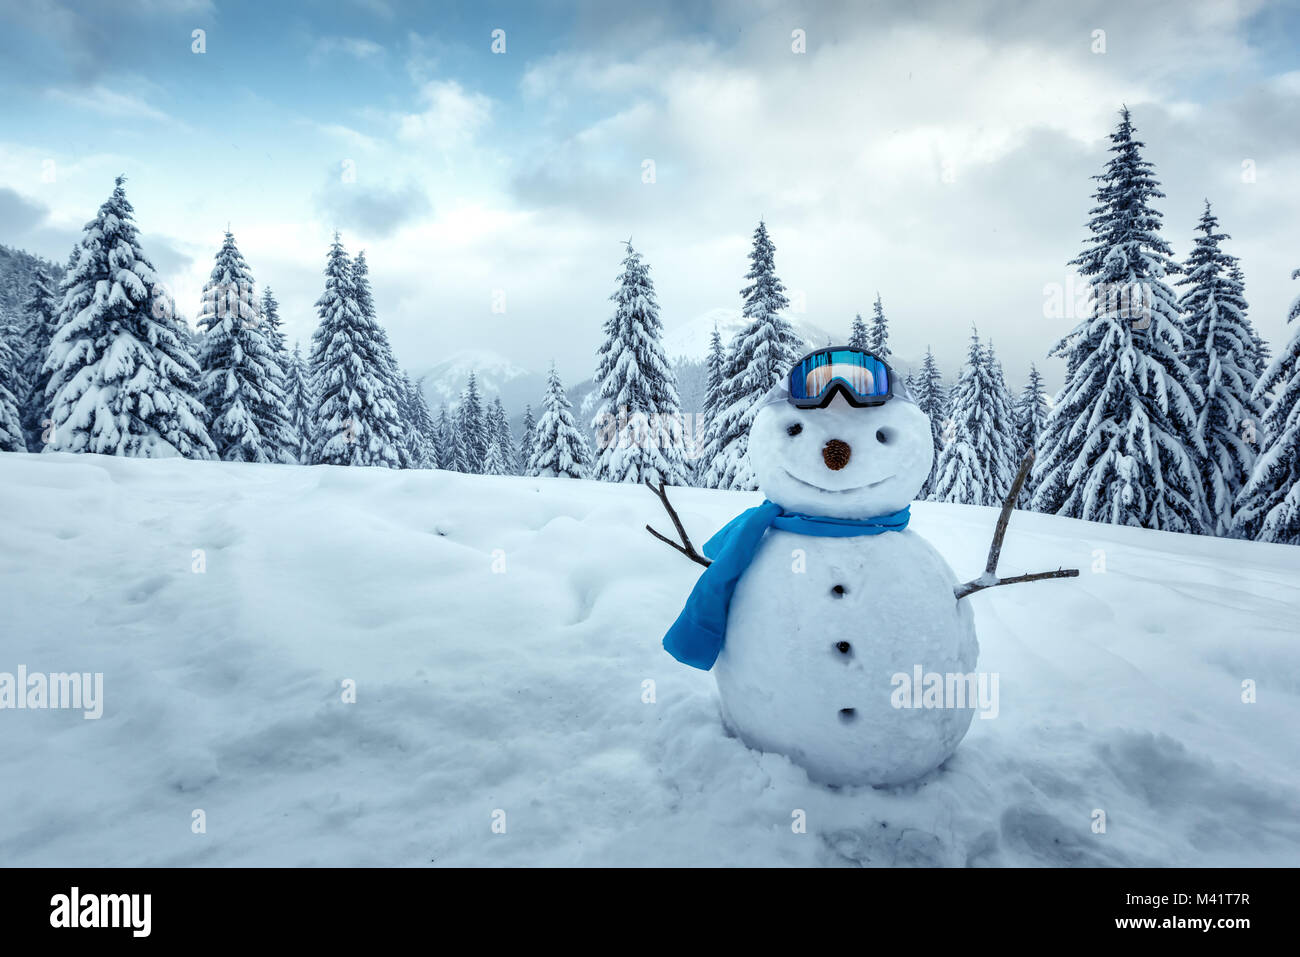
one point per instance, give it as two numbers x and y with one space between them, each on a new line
500 632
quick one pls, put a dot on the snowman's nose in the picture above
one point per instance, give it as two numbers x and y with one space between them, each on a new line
836 454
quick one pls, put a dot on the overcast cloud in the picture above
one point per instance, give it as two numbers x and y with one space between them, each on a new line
938 154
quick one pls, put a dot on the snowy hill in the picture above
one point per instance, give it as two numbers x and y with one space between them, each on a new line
497 375
691 339
500 632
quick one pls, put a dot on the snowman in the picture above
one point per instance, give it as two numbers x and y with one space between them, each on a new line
816 606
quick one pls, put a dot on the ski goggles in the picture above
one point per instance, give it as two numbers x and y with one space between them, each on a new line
859 376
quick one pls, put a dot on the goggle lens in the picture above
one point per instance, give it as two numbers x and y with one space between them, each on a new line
861 373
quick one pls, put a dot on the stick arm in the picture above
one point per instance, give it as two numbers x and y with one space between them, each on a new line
686 548
990 577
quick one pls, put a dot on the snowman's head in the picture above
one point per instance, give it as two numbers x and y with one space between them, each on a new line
841 461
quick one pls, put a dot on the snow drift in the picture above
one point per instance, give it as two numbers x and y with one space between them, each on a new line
503 635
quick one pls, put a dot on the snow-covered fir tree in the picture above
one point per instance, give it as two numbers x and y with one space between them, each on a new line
859 336
527 440
1220 350
240 384
272 328
1031 418
356 421
42 312
301 405
638 421
459 452
1268 507
977 466
706 428
494 462
761 356
445 441
11 386
878 339
1121 443
122 379
931 397
499 428
423 440
1259 352
272 325
388 370
1005 413
560 449
472 428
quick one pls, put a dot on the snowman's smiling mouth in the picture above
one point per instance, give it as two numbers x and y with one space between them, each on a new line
836 491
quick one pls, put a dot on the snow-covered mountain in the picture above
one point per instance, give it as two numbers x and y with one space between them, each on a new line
231 610
691 339
497 375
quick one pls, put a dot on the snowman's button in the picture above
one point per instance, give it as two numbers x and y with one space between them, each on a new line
847 715
843 647
838 591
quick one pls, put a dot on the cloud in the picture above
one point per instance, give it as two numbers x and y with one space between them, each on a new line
18 213
100 99
372 210
451 116
358 47
354 138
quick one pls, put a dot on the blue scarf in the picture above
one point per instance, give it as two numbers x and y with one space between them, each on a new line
697 635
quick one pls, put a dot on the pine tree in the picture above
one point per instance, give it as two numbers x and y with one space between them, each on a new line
301 406
1031 419
878 340
272 328
272 325
859 338
386 368
240 384
1268 507
445 443
760 357
639 419
1004 417
527 441
560 449
932 398
356 418
472 428
499 429
459 452
423 441
122 380
1259 353
1221 352
977 467
11 386
706 433
42 311
1121 442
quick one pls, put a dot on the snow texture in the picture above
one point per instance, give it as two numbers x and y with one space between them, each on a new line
525 690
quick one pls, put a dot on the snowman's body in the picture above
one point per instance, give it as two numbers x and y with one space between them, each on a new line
803 647
819 628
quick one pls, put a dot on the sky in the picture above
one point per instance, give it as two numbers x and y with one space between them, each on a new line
938 154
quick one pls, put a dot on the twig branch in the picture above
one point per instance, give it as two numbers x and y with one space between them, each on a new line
990 577
686 548
970 588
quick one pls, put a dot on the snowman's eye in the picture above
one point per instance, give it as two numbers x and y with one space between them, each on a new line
793 429
882 436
